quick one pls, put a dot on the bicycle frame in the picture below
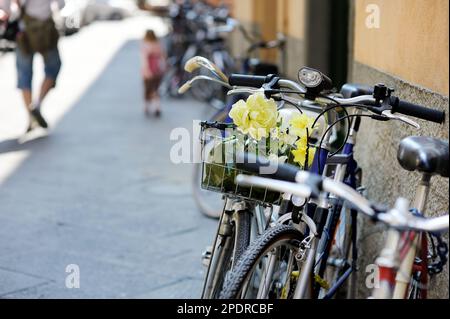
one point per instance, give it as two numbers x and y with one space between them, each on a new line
395 274
345 171
319 246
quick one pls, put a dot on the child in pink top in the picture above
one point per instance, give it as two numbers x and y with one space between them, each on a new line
153 67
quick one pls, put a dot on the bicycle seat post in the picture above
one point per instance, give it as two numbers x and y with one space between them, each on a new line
421 195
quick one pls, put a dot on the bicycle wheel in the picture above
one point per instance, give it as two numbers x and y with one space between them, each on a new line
337 256
339 252
232 239
171 82
268 268
207 91
209 203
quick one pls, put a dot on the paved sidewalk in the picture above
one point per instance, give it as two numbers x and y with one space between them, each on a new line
100 192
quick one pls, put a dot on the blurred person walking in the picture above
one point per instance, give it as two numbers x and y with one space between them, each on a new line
153 67
37 34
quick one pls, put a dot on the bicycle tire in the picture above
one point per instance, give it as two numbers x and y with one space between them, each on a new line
347 290
207 91
205 208
257 249
204 205
240 240
339 248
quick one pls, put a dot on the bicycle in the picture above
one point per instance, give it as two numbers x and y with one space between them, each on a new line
273 86
396 261
345 165
198 28
210 204
346 170
228 242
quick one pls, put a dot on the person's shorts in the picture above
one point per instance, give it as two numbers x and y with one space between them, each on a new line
24 64
151 86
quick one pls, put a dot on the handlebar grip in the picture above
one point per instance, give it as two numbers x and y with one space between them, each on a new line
254 164
418 111
254 81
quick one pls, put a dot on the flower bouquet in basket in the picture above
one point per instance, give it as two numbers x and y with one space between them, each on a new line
259 129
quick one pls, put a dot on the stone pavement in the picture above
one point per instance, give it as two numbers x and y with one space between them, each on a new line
99 191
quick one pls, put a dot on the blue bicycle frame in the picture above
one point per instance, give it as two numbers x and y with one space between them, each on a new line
330 221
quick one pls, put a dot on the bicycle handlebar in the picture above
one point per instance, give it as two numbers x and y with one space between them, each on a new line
257 81
418 111
290 179
253 164
385 105
254 81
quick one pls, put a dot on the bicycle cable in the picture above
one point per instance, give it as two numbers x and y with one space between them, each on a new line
348 132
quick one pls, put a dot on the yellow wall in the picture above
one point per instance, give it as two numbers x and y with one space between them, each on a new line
291 18
243 10
411 43
272 16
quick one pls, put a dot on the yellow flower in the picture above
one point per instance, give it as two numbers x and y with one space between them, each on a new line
256 117
288 139
299 124
273 158
241 116
300 152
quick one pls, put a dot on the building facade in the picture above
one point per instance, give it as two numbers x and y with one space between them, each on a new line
402 43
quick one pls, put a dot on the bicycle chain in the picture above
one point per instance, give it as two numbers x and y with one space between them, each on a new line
437 267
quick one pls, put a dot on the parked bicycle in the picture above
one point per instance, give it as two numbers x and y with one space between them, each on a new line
209 202
336 224
197 28
282 262
313 90
257 211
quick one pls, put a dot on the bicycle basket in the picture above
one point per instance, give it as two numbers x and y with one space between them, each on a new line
220 143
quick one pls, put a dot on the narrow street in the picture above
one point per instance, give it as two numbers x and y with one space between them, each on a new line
99 190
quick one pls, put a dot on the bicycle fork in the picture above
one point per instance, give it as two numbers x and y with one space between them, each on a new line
224 242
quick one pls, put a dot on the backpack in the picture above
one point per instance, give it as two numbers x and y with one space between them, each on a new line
39 36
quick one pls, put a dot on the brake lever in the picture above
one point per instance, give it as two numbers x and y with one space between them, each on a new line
235 91
198 61
186 86
404 119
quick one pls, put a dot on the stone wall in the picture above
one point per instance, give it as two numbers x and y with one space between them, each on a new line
383 176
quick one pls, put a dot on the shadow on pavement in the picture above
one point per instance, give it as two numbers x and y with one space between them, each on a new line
16 144
102 193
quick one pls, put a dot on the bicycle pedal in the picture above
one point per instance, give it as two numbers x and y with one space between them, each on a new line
322 282
206 256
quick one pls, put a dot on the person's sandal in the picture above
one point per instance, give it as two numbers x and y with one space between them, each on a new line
30 128
32 124
36 114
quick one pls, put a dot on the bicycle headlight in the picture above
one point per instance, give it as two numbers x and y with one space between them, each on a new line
314 81
310 78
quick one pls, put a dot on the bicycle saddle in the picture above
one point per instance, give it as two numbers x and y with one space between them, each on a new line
425 155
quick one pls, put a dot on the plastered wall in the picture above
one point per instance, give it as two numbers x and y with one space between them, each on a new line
409 52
